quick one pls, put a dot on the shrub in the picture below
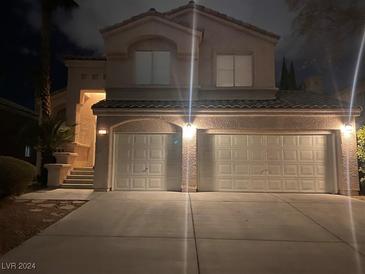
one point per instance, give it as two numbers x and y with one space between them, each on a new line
15 175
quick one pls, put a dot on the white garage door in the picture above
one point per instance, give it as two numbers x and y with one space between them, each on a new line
147 162
266 163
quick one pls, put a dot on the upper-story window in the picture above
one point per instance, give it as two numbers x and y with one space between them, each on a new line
234 71
152 67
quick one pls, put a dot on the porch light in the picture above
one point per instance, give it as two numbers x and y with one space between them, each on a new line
188 131
102 132
347 129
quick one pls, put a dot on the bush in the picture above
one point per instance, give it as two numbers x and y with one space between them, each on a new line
15 175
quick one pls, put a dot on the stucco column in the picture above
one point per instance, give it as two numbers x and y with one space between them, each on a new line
349 177
189 160
102 161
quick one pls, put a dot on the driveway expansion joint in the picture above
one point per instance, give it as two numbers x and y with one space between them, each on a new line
323 227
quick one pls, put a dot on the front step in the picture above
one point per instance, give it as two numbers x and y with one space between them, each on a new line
77 186
79 178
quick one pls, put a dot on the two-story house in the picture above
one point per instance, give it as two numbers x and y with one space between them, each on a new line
186 100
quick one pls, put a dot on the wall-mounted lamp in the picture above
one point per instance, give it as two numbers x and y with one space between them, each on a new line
188 131
347 129
102 132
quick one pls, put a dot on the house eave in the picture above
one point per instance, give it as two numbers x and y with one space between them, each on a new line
227 112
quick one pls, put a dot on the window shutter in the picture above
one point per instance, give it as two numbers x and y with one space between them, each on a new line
225 71
161 67
243 70
143 67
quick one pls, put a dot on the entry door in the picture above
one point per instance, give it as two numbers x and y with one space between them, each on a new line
147 161
266 163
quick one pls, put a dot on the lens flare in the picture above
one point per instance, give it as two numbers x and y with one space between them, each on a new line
356 74
348 176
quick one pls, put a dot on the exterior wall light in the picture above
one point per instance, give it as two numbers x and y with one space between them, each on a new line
102 132
347 129
188 131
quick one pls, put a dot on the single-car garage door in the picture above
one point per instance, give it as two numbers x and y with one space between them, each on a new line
146 161
266 163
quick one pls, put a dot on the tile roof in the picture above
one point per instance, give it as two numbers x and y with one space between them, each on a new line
168 15
284 100
223 16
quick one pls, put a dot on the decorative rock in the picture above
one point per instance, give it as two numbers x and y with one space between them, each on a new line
35 210
78 202
46 205
48 220
56 214
67 207
37 201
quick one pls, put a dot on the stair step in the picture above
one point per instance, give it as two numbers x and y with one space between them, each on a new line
84 169
80 176
82 172
77 186
78 181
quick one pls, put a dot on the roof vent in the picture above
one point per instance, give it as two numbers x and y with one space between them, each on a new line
191 2
152 10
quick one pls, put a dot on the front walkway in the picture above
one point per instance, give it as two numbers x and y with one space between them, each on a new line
208 233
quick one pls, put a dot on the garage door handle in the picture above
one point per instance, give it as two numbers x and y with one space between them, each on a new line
145 169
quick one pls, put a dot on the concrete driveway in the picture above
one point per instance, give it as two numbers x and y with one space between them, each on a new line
207 233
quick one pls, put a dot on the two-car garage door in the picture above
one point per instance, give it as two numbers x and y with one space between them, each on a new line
240 162
260 163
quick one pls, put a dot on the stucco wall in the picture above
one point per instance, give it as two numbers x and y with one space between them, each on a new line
221 37
347 174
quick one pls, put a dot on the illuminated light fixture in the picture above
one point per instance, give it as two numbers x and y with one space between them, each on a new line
102 132
347 129
189 131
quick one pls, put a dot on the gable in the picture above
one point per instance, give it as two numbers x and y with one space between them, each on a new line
120 37
179 13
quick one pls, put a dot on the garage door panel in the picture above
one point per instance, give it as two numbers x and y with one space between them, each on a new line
242 184
138 183
257 154
257 170
275 185
290 155
277 163
291 185
306 155
223 154
307 170
146 162
305 141
239 140
307 185
258 184
122 182
274 155
140 154
290 141
275 170
241 169
223 169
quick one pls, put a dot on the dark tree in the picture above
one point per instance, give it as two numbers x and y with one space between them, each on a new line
284 78
292 81
48 7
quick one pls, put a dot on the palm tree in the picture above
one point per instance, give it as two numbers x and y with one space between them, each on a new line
48 7
47 138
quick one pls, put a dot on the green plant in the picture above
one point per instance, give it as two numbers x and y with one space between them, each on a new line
361 144
361 156
48 137
16 175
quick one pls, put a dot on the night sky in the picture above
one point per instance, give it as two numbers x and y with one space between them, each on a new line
77 33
